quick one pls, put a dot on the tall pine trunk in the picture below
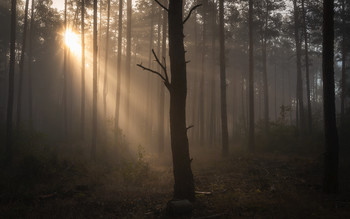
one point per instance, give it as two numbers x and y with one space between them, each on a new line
30 60
11 84
21 66
82 107
128 63
119 62
251 80
65 76
224 130
343 68
331 134
94 86
183 177
105 90
307 71
300 102
162 90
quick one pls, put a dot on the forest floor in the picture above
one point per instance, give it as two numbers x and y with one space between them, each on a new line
255 186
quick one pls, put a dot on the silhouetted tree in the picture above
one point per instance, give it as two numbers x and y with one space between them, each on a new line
21 65
106 60
82 107
224 130
251 79
119 62
331 134
94 86
11 83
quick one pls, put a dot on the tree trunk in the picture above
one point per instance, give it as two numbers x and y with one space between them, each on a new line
11 84
30 57
201 97
21 65
224 130
184 184
331 135
128 63
65 76
343 68
82 119
265 82
162 91
307 72
105 90
212 119
119 62
251 80
94 86
301 120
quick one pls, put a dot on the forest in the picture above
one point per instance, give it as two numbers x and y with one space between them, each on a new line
174 109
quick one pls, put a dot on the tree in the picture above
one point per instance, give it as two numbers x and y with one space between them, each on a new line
331 134
162 91
300 101
251 79
128 61
106 60
119 62
307 72
21 65
30 57
11 83
82 107
65 75
94 86
183 177
223 81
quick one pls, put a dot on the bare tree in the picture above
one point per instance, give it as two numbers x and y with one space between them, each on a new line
128 61
30 60
184 184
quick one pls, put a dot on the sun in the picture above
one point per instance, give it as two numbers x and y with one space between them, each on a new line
72 41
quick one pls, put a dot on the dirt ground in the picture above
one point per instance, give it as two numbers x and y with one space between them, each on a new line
241 185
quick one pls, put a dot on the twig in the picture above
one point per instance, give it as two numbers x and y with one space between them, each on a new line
189 14
161 5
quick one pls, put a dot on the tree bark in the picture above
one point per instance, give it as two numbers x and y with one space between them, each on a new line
224 130
184 184
331 134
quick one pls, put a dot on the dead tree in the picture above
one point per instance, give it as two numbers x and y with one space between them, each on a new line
177 87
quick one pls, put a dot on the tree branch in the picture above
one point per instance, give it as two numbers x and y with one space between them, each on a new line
150 70
189 14
161 5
